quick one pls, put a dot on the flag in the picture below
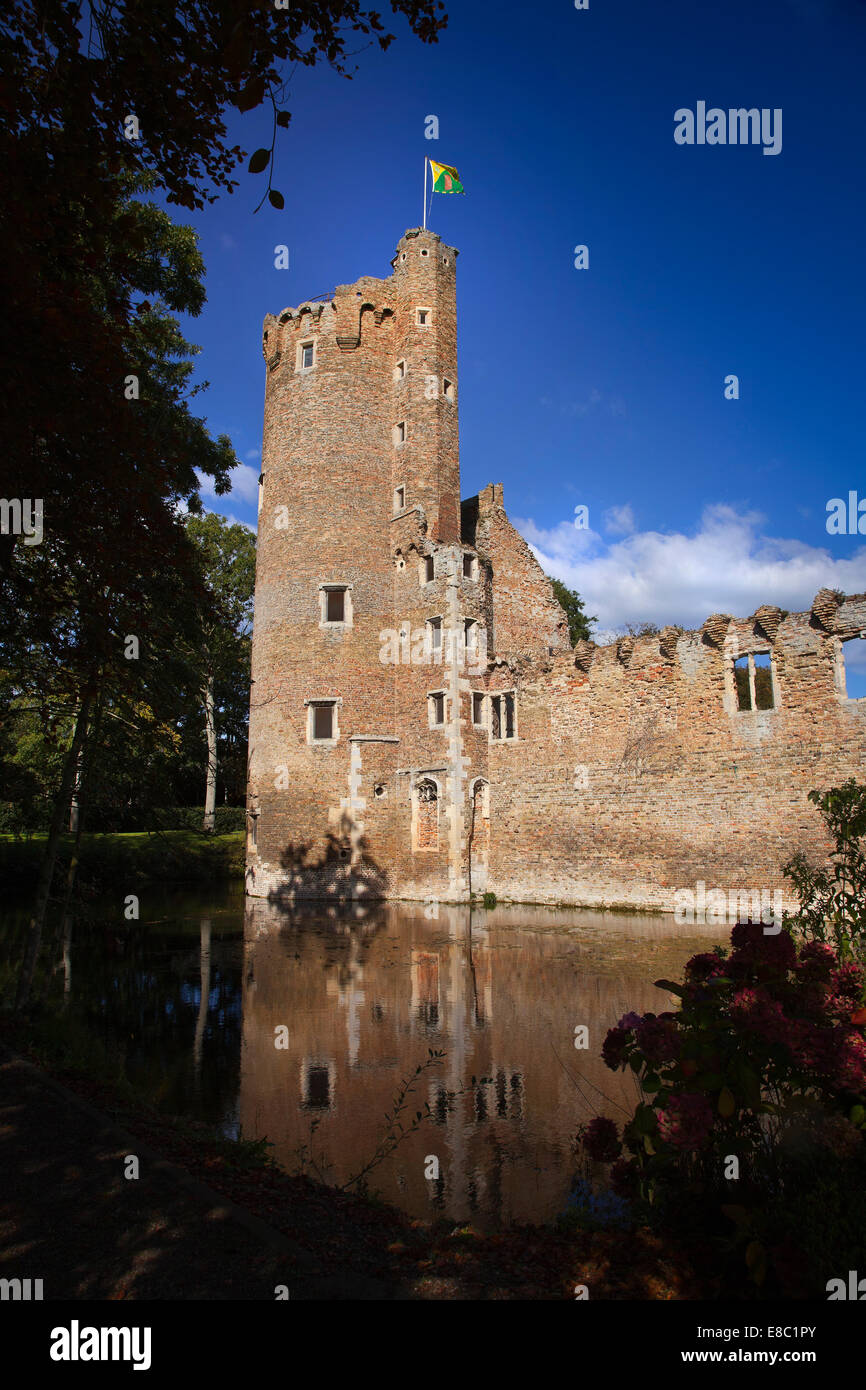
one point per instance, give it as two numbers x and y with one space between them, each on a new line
445 178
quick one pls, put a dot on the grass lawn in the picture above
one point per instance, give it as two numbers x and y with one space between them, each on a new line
168 856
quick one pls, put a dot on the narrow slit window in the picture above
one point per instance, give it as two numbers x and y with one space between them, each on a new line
434 637
400 371
400 433
509 716
468 566
423 318
428 569
477 708
399 498
503 722
448 389
306 355
436 704
335 605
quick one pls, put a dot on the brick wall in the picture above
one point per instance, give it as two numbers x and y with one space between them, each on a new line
632 772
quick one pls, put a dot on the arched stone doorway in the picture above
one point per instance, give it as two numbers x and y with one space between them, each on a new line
425 815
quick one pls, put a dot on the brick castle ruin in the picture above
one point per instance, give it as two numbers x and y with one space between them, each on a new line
420 725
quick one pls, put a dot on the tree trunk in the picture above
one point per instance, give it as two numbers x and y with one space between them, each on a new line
210 729
74 805
49 858
201 1020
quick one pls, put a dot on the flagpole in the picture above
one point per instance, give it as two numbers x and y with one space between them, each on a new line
425 194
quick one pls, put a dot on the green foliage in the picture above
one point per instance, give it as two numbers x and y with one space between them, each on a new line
765 1062
173 856
488 900
228 819
579 624
833 899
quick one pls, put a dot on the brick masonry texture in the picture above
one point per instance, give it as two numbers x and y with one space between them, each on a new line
631 771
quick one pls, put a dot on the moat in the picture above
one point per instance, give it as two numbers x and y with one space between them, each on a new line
300 1026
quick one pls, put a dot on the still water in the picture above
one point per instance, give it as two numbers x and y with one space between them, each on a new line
301 1025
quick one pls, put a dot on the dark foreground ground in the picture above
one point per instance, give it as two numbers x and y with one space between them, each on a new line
204 1220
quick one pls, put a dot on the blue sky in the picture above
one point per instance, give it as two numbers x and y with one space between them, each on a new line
602 387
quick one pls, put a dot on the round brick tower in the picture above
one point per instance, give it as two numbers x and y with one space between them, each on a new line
360 464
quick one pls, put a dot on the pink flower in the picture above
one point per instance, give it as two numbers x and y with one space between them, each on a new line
614 1045
686 1121
630 1021
658 1038
756 1012
754 949
703 966
816 961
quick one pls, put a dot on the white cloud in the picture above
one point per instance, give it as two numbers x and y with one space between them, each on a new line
728 566
619 521
245 486
253 454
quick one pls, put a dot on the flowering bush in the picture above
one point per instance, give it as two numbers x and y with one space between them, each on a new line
766 1057
833 898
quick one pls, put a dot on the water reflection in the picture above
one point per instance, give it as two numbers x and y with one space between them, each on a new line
340 1005
300 1024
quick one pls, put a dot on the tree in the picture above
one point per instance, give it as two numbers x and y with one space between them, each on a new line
579 624
89 93
227 556
92 614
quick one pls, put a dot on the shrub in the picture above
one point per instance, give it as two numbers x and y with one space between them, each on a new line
765 1062
833 900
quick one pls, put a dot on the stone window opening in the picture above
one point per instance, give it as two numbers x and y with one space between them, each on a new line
754 682
851 667
425 815
424 251
254 829
436 708
470 636
306 355
335 605
478 709
399 433
423 317
317 1084
322 726
427 569
380 790
400 371
469 567
433 643
399 498
448 389
503 716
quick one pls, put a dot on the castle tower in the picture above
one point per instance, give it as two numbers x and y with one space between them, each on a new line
359 537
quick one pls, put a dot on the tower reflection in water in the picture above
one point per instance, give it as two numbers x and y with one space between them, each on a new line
342 1003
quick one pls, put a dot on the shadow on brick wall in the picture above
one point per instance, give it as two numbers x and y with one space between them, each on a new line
340 869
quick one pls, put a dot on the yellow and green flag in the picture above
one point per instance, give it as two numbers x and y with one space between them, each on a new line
445 178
